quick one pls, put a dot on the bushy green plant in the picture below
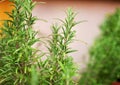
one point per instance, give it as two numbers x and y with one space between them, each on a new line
58 68
103 67
20 64
16 52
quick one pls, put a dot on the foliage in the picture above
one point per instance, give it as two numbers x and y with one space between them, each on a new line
16 53
58 68
20 63
103 67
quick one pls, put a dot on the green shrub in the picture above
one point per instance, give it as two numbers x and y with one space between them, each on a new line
58 68
20 63
103 67
16 53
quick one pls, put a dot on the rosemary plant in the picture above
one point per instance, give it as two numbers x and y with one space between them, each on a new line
16 53
19 62
58 68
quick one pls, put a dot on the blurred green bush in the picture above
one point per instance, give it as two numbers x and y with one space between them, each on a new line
103 67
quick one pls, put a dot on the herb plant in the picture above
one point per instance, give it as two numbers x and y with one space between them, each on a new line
58 68
16 52
103 67
21 64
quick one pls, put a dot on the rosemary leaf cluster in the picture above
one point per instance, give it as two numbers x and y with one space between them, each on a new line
16 53
21 64
58 68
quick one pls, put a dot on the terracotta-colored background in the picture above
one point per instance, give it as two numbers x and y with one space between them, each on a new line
4 7
93 12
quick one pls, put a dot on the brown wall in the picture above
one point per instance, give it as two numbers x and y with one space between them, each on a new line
92 11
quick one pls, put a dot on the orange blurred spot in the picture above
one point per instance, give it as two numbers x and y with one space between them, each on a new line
4 7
